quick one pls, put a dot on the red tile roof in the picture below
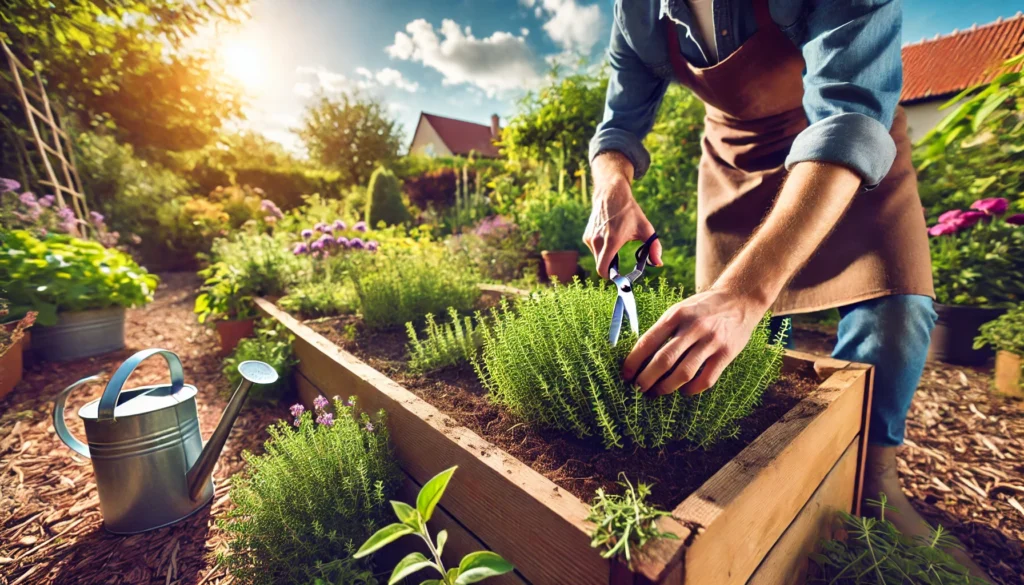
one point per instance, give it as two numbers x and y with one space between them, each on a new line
944 66
463 137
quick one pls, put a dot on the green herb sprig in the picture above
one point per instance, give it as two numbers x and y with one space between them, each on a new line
625 522
445 344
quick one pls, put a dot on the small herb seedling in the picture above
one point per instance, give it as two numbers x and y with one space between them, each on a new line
626 522
475 567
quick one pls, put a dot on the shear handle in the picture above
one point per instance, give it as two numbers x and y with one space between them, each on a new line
643 255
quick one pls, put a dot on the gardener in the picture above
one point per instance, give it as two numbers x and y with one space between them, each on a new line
807 198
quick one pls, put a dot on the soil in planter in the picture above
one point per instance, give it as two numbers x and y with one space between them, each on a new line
579 466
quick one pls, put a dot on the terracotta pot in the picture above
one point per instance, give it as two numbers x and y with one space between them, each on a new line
953 337
231 332
1009 380
560 265
11 367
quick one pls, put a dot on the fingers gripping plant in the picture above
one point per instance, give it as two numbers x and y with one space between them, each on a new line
475 567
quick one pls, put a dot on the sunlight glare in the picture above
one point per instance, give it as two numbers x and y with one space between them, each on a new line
245 61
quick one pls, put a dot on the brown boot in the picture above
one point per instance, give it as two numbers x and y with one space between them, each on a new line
880 476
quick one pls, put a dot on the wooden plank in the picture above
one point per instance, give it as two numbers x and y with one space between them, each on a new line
865 434
823 366
520 513
1008 374
787 562
743 509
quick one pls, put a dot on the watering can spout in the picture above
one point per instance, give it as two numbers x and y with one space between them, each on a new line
253 372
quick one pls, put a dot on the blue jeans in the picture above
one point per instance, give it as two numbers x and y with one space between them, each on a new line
891 333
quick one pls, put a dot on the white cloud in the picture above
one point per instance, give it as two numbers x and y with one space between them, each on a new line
574 27
304 89
498 63
524 31
364 72
329 81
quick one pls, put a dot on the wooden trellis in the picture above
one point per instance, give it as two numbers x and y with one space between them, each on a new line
49 138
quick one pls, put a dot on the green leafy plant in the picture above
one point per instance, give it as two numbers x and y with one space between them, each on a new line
473 568
302 507
384 200
548 360
1005 333
447 344
559 220
625 522
876 553
224 294
321 299
60 273
266 264
406 284
272 343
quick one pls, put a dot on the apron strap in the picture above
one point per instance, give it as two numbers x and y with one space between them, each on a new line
763 15
675 54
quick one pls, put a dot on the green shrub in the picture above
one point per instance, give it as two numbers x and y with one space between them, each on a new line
499 249
443 345
304 506
875 552
559 220
60 273
1005 333
624 523
224 295
384 201
980 265
406 284
321 299
266 264
548 360
272 344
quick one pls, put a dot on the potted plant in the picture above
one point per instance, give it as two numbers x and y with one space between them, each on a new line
559 223
978 266
78 288
1006 336
226 301
12 343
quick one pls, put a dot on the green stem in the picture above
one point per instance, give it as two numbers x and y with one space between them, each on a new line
439 564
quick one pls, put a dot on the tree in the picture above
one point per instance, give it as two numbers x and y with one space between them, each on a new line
384 199
350 133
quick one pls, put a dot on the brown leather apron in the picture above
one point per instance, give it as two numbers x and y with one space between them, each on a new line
754 111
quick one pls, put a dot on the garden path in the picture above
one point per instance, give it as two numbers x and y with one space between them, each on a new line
50 523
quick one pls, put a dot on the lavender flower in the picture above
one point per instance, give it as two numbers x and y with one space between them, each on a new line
339 225
326 419
297 410
372 245
319 227
342 242
97 218
300 249
27 199
369 427
47 200
327 241
8 185
68 222
360 226
317 246
270 208
306 234
320 402
350 403
356 244
297 422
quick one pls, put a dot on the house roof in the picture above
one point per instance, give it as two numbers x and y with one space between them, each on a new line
462 137
944 66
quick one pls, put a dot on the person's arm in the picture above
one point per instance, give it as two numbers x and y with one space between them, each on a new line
851 87
617 152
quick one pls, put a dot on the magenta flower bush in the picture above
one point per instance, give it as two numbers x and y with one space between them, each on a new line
330 239
41 216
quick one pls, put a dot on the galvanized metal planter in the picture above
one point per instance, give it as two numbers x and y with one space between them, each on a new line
80 334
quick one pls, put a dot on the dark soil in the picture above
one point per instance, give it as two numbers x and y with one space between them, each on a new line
579 466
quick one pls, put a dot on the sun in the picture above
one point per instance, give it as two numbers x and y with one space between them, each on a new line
245 61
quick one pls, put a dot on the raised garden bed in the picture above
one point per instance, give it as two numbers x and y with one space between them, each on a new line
752 518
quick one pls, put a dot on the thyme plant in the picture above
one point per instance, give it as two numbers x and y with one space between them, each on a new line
473 568
625 522
876 553
443 345
547 359
303 506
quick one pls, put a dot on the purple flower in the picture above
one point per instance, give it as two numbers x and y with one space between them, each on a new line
326 419
991 206
360 226
68 222
350 403
270 208
320 402
342 242
494 225
47 200
1016 219
8 185
27 199
327 240
369 427
949 215
317 246
300 249
942 229
372 245
306 234
356 244
340 225
97 218
297 410
320 227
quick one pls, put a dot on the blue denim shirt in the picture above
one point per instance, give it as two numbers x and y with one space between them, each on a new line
852 79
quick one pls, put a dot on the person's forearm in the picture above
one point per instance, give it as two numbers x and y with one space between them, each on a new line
609 167
810 204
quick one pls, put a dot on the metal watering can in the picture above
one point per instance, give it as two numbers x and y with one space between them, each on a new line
151 467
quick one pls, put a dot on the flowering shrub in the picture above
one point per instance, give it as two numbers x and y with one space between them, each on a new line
548 360
42 216
304 506
326 239
60 273
978 255
272 344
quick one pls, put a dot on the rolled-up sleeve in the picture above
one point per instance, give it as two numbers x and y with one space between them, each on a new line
851 86
631 104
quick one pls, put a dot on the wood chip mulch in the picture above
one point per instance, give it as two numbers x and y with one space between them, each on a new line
963 460
50 523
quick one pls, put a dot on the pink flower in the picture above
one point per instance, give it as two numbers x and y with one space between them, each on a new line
320 402
297 410
369 427
360 226
967 219
27 199
1016 219
991 206
942 229
47 200
949 215
300 249
9 185
320 227
326 419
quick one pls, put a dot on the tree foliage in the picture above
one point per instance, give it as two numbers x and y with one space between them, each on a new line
384 199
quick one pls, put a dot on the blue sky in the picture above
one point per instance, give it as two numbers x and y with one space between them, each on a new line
460 58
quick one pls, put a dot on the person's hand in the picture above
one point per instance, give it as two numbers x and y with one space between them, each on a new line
616 217
693 342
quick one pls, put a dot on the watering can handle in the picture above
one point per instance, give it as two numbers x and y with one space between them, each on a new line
61 426
109 398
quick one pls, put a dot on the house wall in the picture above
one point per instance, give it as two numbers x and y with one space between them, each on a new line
427 141
923 116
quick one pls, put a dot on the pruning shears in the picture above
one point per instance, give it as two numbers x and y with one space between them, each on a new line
625 303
